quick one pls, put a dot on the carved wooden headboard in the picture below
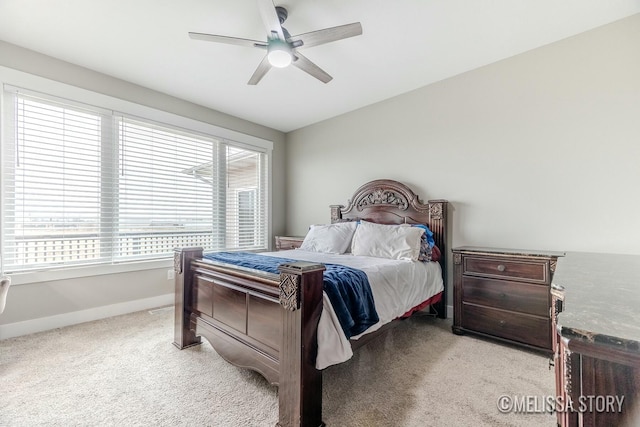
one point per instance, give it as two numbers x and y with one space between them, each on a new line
386 201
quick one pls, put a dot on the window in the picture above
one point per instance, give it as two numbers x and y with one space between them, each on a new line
247 218
82 185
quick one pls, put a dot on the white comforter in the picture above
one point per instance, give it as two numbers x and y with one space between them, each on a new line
397 287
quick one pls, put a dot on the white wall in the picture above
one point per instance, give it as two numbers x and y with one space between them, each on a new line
53 303
538 151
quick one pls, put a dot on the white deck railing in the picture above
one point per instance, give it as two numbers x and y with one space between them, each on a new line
47 249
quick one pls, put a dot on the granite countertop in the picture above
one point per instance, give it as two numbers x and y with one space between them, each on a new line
509 251
601 298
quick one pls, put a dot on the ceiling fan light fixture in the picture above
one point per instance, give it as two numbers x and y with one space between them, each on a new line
279 54
281 47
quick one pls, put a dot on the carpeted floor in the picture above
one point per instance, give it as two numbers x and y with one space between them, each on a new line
124 371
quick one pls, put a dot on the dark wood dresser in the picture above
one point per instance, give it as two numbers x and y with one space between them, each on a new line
596 301
504 294
284 243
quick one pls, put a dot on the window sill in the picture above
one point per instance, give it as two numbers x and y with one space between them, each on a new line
87 271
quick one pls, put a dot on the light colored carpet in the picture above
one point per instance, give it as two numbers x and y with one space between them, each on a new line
124 371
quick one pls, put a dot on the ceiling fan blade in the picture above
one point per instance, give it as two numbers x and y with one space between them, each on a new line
227 40
259 73
270 18
315 38
309 67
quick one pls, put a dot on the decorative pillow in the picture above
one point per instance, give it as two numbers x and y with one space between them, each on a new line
427 244
387 241
329 238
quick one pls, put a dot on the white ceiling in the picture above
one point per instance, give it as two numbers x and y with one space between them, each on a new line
405 44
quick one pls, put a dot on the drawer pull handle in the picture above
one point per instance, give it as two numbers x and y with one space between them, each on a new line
501 267
503 295
502 323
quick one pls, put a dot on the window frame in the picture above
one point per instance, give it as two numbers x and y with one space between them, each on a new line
72 94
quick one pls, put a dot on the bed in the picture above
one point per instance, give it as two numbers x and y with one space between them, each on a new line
276 323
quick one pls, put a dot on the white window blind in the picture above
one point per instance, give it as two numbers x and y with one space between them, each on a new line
84 185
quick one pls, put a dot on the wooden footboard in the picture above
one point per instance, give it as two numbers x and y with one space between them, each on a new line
264 322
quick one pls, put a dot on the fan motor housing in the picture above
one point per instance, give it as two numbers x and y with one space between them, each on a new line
282 14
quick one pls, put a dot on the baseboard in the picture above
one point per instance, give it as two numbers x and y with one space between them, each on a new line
449 312
26 327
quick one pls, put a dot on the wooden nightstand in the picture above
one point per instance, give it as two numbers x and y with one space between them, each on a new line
284 243
504 294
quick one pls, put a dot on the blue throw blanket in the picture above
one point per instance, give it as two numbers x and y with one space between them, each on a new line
348 288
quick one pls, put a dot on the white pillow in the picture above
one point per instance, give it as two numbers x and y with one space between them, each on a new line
329 238
387 241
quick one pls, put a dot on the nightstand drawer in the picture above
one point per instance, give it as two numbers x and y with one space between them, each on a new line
531 271
284 243
508 295
531 330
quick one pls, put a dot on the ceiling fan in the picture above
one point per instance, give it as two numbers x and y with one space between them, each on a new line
282 47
